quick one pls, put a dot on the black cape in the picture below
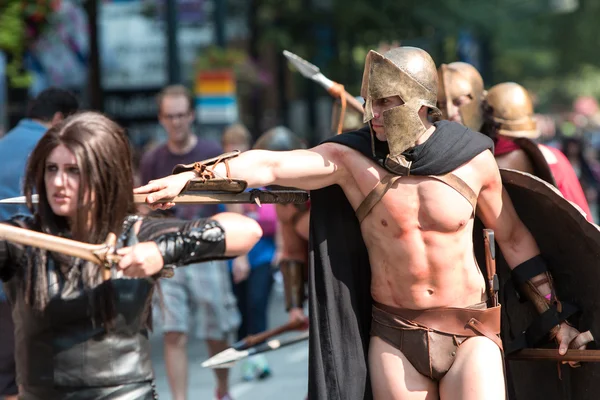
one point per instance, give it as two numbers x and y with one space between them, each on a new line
339 271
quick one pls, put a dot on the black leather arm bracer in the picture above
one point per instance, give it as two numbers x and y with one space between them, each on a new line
552 311
293 272
522 276
185 242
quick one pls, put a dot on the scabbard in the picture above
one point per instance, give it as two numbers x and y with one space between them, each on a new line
251 196
290 196
493 284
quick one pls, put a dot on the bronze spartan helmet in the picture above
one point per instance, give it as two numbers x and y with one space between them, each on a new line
279 138
456 80
407 72
508 106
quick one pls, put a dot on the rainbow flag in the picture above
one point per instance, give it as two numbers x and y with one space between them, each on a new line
216 101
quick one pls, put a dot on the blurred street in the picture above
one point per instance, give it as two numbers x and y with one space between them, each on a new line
289 367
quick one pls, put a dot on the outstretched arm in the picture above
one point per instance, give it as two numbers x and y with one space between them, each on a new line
173 242
305 169
241 233
520 249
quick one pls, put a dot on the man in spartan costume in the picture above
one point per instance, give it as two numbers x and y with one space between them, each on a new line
506 115
398 304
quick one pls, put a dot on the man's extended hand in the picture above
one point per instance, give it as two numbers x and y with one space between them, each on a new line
570 338
162 191
141 260
297 314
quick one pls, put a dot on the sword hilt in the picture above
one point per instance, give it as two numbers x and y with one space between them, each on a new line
107 255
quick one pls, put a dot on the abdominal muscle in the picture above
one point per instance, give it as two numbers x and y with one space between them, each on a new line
422 270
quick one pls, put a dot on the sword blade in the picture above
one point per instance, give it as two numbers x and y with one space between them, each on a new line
229 357
19 200
44 241
264 196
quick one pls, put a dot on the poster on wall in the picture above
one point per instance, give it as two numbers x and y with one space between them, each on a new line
133 56
66 39
133 41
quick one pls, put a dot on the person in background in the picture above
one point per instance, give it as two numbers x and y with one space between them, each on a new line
252 274
47 109
587 170
198 301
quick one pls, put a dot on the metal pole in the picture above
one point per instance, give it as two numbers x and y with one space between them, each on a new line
95 95
220 21
281 68
256 108
310 90
173 62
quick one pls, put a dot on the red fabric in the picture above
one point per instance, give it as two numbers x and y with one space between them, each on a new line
504 146
567 181
564 175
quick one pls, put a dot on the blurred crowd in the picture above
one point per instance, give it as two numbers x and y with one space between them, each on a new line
577 134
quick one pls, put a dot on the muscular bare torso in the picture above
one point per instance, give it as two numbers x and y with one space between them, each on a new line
419 237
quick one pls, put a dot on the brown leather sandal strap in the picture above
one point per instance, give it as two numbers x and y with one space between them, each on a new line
375 196
228 171
222 159
200 166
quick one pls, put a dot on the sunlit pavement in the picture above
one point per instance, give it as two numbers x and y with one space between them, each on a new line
289 367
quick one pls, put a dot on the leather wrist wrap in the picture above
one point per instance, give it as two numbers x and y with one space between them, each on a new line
206 177
522 275
545 305
293 282
201 243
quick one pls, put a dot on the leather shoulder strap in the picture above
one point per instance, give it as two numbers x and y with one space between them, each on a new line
374 196
460 186
386 183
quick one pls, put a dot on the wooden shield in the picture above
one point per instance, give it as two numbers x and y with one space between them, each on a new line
571 247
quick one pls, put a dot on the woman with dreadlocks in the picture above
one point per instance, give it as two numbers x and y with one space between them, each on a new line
78 336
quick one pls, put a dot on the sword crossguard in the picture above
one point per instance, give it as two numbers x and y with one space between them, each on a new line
107 255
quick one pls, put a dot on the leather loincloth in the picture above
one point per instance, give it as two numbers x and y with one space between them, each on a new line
430 338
